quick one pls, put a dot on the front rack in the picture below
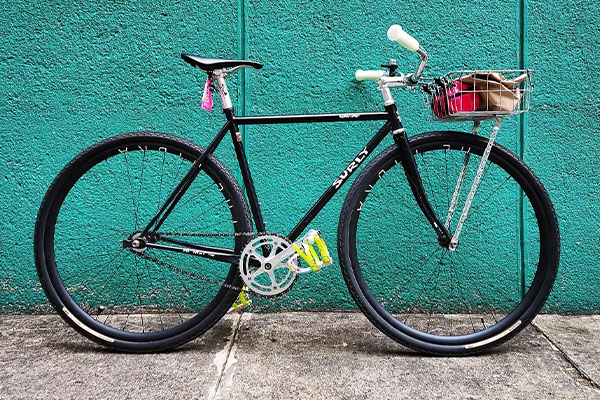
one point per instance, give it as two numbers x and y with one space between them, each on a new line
476 95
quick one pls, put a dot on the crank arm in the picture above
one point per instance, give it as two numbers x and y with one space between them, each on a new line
276 259
282 255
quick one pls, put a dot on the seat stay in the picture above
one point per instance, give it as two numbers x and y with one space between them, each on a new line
185 183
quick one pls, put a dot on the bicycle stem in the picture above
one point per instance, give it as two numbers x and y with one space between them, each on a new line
414 79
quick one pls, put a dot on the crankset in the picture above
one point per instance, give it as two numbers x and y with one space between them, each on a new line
264 265
270 264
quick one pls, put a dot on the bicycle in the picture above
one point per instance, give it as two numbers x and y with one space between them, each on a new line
145 240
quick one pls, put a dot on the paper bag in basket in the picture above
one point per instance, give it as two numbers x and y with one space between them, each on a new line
496 93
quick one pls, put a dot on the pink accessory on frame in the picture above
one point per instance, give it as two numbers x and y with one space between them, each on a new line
207 101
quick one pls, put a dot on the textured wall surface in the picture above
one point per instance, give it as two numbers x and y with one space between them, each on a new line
561 143
72 75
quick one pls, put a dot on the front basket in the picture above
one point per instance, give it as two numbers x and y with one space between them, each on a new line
477 94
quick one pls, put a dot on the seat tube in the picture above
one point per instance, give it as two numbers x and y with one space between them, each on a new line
245 170
239 150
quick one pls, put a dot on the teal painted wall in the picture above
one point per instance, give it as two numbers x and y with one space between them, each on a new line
72 75
561 143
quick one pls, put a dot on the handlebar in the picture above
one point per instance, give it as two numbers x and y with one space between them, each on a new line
396 34
373 75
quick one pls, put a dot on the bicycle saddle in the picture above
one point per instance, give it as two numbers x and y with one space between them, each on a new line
210 64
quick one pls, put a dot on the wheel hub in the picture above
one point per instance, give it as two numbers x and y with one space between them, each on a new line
136 242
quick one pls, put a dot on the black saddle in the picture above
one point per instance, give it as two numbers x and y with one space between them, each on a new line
211 64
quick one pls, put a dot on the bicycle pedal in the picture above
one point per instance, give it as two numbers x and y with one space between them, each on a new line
305 249
241 302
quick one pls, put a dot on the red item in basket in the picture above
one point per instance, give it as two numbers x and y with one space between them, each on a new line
455 98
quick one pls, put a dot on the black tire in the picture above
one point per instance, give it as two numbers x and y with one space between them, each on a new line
109 293
444 302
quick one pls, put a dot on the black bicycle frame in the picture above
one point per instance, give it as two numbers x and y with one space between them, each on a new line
392 123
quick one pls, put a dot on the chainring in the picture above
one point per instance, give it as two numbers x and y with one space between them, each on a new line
268 275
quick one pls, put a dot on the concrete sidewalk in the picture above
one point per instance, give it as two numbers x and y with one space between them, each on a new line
297 356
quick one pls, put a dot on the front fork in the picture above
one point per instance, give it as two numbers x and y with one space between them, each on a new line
416 185
445 239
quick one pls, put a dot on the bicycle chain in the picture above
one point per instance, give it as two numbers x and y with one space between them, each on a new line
217 234
182 271
198 234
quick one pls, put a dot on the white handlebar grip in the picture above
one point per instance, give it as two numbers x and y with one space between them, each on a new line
361 75
397 34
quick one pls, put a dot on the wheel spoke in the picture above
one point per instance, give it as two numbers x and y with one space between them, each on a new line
133 203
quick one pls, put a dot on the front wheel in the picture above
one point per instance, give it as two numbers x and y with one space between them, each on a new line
428 297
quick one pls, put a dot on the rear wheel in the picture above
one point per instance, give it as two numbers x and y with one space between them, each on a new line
428 297
150 299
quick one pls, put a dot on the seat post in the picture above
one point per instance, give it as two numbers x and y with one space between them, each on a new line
219 76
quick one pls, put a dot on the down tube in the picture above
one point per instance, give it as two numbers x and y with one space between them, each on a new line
339 182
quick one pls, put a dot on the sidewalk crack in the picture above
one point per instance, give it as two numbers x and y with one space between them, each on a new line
582 374
236 329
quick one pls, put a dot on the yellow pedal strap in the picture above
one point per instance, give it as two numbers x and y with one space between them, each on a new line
308 253
242 300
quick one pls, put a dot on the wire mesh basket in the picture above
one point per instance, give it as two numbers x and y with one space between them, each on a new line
477 95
